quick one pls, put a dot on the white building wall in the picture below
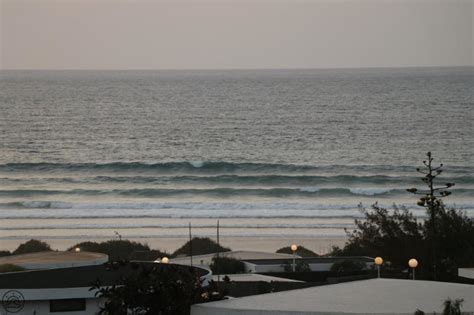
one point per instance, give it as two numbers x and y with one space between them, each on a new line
280 268
466 272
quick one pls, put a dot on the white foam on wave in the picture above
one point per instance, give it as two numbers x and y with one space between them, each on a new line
310 189
197 164
370 191
183 205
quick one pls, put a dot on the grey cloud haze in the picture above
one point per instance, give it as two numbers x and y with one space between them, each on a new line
199 34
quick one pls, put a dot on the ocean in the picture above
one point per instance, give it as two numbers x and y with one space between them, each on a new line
271 154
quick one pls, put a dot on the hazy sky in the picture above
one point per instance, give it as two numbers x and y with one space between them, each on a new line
204 34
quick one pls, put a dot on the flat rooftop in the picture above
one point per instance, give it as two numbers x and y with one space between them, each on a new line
375 296
309 260
50 257
85 276
240 255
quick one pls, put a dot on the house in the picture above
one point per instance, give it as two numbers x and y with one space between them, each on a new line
206 260
314 263
64 291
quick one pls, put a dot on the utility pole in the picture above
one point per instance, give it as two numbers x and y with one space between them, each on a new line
190 245
217 261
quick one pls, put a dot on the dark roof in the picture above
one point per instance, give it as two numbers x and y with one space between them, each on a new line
108 274
308 260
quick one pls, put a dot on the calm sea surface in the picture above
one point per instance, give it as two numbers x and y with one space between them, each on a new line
269 153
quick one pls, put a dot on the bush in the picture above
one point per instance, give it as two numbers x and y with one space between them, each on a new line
348 265
4 253
200 246
300 266
301 251
226 265
32 246
117 249
396 236
10 268
152 290
443 243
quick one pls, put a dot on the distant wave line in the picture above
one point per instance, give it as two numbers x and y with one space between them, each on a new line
269 180
223 192
209 167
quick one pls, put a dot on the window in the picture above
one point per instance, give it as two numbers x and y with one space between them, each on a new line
67 305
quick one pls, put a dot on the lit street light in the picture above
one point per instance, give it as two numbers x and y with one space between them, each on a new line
378 261
413 263
294 248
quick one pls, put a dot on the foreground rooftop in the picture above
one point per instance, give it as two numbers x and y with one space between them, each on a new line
375 296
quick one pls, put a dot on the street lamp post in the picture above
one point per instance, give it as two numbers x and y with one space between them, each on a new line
294 248
413 263
378 262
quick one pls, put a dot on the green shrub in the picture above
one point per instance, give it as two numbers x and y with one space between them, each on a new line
119 249
200 246
32 246
301 251
348 265
443 242
10 268
152 289
4 253
452 307
226 265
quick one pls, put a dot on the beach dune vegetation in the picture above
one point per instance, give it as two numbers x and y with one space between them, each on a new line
120 249
301 251
32 246
200 246
226 265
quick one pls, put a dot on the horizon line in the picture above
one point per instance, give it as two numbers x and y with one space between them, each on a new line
238 69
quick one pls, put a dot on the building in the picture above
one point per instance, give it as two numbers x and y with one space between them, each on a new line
241 255
375 296
62 291
314 263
